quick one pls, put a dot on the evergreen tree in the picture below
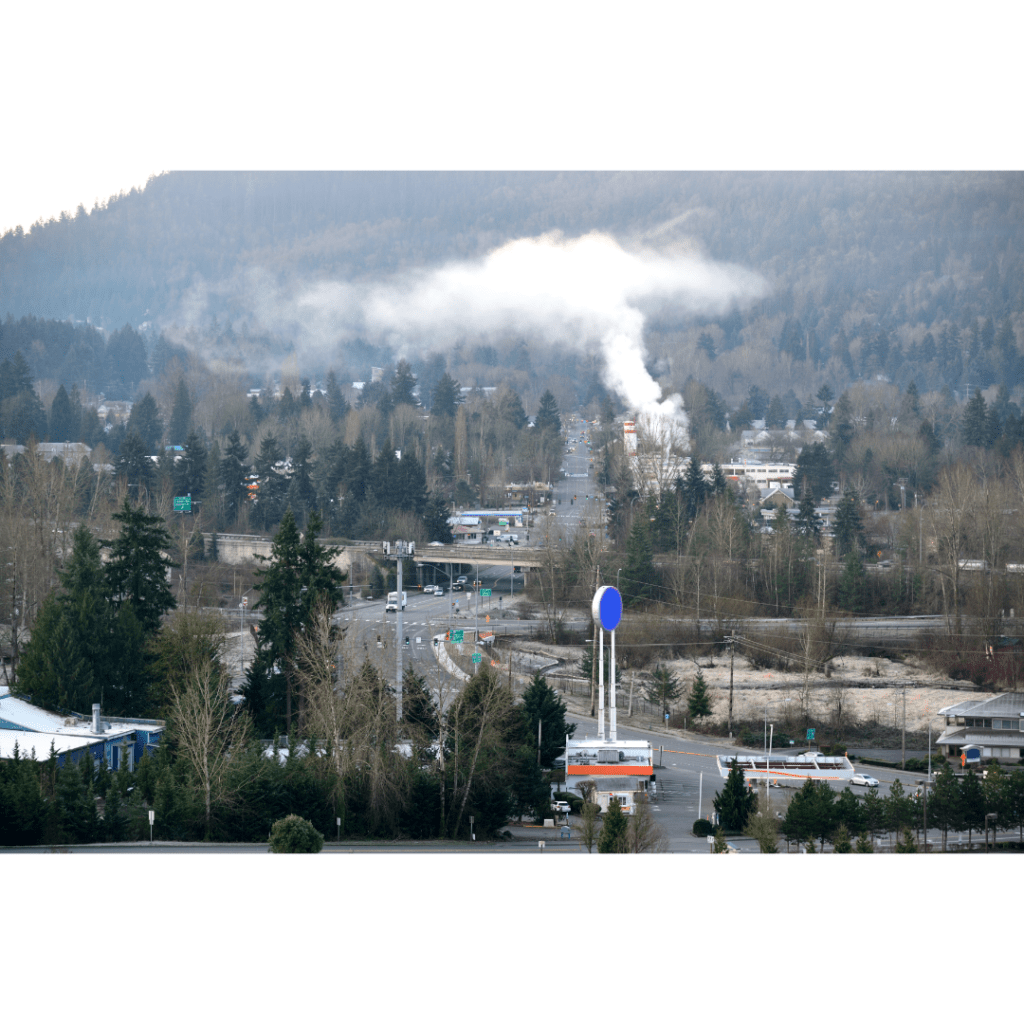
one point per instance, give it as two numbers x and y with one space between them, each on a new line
808 522
898 809
22 415
446 398
233 471
298 578
418 709
874 812
256 410
52 669
385 478
906 844
435 519
510 409
542 704
189 469
69 655
211 485
638 573
850 813
736 802
841 840
974 427
811 812
287 407
662 689
145 420
943 805
181 415
547 418
63 424
971 805
613 830
815 471
847 525
698 703
410 488
775 418
912 400
693 489
337 407
126 361
136 573
22 807
273 485
403 383
301 493
853 595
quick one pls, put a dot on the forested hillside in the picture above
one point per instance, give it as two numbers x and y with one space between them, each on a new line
913 276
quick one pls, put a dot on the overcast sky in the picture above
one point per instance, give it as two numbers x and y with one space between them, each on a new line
96 99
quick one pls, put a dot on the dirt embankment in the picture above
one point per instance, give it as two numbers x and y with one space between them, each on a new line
867 691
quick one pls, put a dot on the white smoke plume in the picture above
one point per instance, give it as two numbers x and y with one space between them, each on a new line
588 293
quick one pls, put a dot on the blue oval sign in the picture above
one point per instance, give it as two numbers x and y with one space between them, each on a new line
607 607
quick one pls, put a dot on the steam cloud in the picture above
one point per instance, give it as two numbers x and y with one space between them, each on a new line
587 293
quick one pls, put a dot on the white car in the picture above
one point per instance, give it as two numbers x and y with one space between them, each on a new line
429 588
860 779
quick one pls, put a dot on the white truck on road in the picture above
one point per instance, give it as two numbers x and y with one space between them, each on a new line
392 605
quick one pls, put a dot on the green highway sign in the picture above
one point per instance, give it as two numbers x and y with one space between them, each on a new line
810 734
477 658
485 593
457 636
183 504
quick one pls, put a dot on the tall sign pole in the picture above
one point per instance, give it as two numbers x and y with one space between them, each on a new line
398 639
397 551
607 611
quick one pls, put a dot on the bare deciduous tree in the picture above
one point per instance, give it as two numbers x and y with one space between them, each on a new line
211 732
953 512
644 834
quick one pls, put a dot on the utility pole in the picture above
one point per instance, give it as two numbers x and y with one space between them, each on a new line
904 726
732 659
398 551
398 641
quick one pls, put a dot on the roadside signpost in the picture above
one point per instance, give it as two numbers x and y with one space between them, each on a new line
477 657
457 635
183 504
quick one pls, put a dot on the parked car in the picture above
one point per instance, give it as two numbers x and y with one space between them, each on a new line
860 779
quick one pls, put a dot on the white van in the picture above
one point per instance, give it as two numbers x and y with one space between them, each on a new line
392 605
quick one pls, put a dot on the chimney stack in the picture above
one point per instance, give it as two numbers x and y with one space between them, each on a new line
97 725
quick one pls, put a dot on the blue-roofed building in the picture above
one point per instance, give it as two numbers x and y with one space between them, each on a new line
35 731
